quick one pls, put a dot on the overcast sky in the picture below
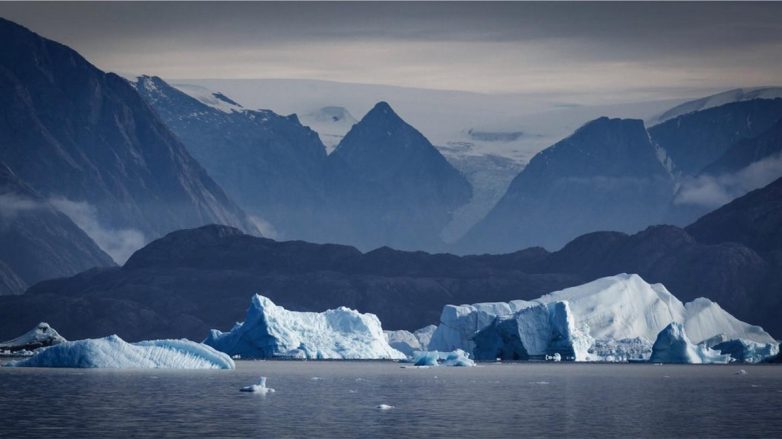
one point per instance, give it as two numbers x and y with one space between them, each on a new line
639 49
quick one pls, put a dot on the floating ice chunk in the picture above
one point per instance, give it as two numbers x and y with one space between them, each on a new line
555 358
258 388
673 346
272 331
113 352
457 358
385 407
741 372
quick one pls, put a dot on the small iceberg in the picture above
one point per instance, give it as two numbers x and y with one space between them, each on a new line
456 358
384 407
258 388
114 352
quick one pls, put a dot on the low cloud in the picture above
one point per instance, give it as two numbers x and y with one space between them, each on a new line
118 243
12 204
265 228
714 191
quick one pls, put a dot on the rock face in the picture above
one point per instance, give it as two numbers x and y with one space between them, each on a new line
693 141
70 130
673 346
42 335
113 352
388 185
270 331
37 241
271 165
606 176
744 153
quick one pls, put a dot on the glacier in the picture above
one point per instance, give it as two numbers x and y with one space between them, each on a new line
114 352
673 346
271 331
41 336
615 318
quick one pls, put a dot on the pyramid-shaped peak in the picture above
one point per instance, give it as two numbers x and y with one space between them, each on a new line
381 111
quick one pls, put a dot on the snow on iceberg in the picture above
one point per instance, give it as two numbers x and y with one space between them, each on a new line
271 331
41 336
614 318
673 346
113 352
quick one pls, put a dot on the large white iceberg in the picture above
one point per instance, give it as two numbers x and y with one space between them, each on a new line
113 352
673 346
41 336
271 331
614 318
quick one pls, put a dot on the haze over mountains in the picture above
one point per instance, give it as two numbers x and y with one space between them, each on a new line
96 166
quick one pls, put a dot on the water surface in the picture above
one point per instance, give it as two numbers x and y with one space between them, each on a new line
339 399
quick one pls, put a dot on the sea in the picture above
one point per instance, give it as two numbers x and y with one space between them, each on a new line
368 399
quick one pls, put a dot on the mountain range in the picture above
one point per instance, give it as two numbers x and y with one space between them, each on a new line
193 280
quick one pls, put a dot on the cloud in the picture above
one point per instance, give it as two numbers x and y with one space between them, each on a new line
266 228
118 243
714 191
12 204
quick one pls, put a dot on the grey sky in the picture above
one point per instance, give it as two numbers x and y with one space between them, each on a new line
641 49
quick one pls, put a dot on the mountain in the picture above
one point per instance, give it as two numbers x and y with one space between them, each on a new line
387 185
767 145
72 131
605 176
754 220
719 99
270 164
693 141
37 241
193 280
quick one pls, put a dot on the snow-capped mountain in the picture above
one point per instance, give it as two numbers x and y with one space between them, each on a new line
387 185
694 140
270 164
716 100
606 176
71 131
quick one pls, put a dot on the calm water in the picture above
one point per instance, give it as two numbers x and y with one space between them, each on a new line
339 399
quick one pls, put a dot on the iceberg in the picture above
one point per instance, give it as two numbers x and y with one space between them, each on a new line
673 346
404 341
615 318
42 335
457 358
258 388
747 351
271 331
113 352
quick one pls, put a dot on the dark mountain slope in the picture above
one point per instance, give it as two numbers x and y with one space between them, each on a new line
70 130
38 242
